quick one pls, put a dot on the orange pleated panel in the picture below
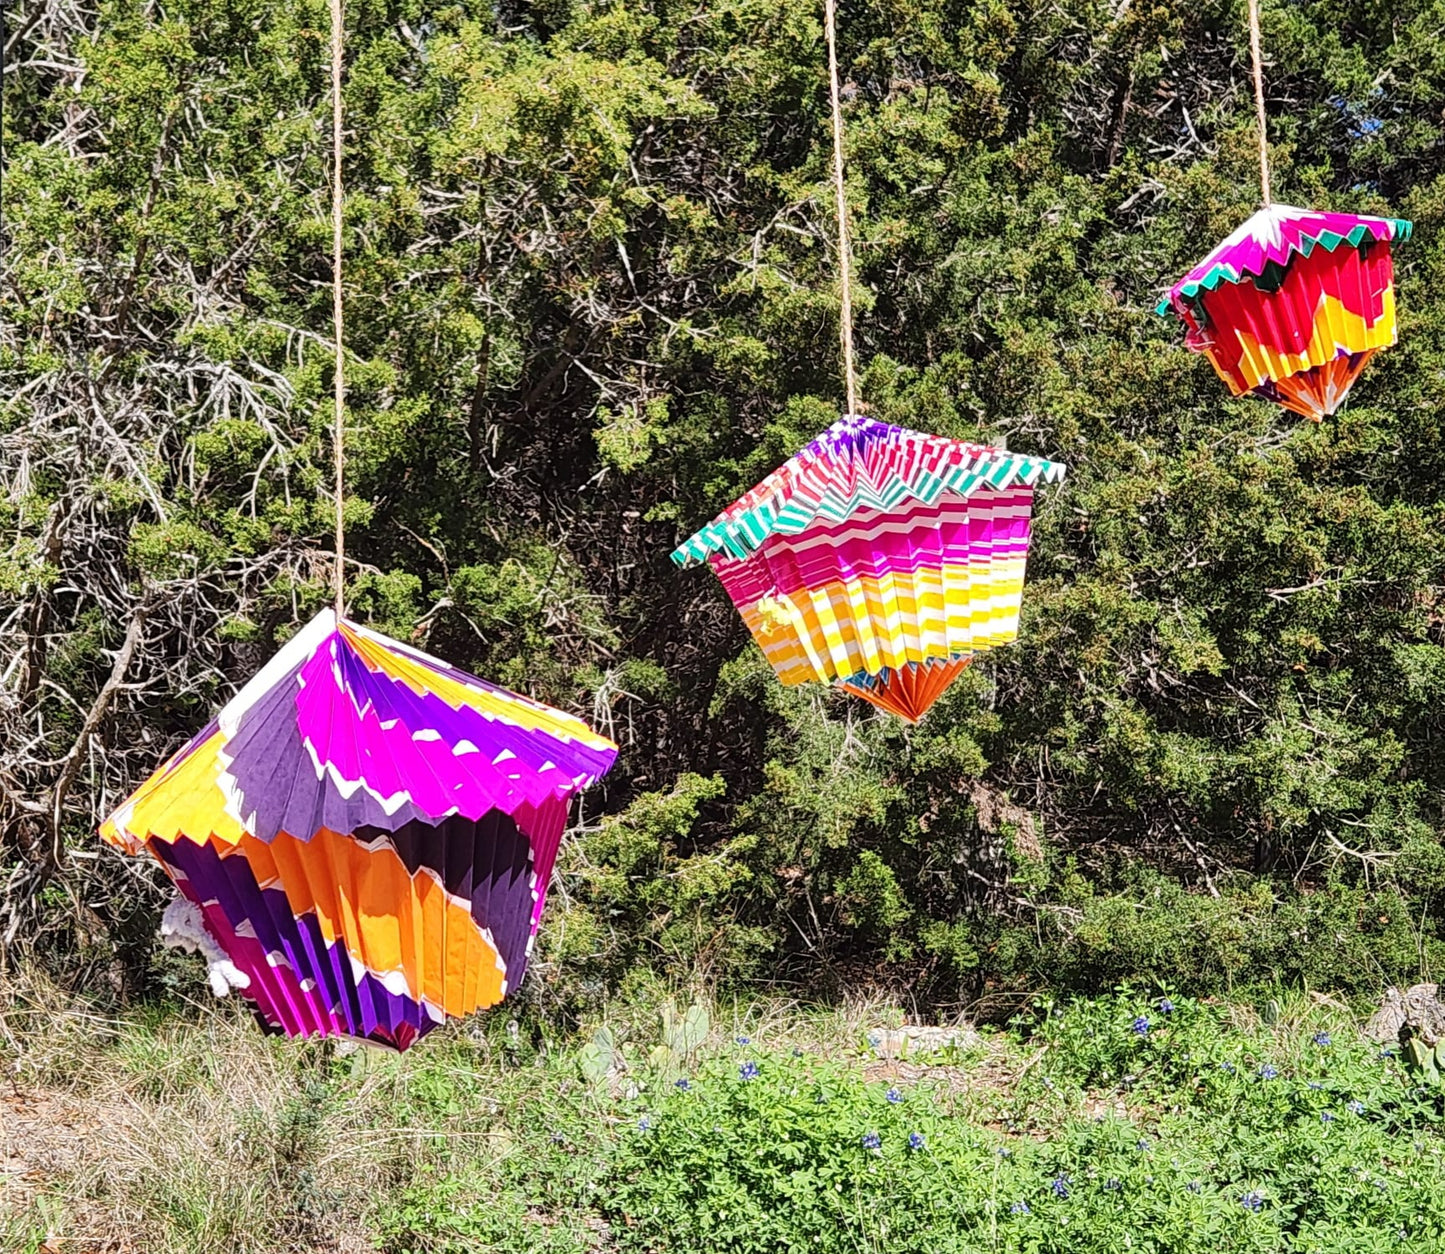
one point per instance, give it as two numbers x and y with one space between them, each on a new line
910 690
1321 390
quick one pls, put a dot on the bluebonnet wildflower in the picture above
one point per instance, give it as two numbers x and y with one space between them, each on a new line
1321 1039
1143 1146
1166 1007
744 1040
893 1096
916 1141
644 1123
1227 1067
684 1084
1004 1152
748 1071
874 1039
1112 1185
1385 1053
1141 1026
1326 1117
1316 1085
1356 1107
1253 1200
1060 1186
871 1140
1020 1208
1194 1186
1267 1072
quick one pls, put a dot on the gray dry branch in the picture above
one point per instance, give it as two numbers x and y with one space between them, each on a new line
105 378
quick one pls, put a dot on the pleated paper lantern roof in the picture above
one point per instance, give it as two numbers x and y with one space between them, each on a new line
366 833
879 559
1293 304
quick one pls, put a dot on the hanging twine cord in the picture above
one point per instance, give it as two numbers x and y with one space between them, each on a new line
338 429
1258 60
845 266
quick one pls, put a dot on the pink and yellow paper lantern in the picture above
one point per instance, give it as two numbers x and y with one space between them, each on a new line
1293 305
879 560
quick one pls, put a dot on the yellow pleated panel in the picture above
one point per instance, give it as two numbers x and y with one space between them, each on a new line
1336 329
868 625
183 800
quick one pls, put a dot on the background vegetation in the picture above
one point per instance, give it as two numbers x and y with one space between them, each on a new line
591 295
1130 1122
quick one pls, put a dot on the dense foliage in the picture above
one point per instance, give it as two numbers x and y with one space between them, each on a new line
786 1152
591 297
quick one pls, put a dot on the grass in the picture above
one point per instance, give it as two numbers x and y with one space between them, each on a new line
1100 1125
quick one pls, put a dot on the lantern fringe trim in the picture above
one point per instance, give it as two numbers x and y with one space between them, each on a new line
1271 237
824 481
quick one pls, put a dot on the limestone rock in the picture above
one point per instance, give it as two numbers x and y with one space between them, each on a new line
1419 1008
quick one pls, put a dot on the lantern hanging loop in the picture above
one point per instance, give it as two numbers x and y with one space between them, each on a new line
1258 62
337 432
845 319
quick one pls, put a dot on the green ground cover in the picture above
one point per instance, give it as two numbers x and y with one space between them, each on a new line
1128 1122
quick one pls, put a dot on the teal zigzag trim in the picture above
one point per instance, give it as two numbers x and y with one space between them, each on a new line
1329 240
744 533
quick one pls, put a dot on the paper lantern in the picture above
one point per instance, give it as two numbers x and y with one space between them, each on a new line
879 560
365 833
1293 304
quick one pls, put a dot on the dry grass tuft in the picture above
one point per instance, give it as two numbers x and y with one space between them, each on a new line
181 1134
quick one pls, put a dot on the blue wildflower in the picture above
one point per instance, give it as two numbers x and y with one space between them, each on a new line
1141 1026
684 1084
1316 1085
797 1052
1326 1117
1385 1053
1020 1208
916 1141
748 1071
1267 1072
1166 1007
1194 1186
1356 1107
1322 1039
871 1140
1004 1152
1112 1185
744 1040
1227 1067
644 1123
1253 1200
1143 1146
893 1096
1060 1186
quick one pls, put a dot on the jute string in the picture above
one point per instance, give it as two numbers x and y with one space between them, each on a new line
1258 60
845 259
338 427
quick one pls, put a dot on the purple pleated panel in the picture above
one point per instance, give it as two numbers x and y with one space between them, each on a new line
301 981
339 746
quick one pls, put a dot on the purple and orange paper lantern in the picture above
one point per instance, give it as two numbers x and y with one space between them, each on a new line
879 560
365 833
1293 304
